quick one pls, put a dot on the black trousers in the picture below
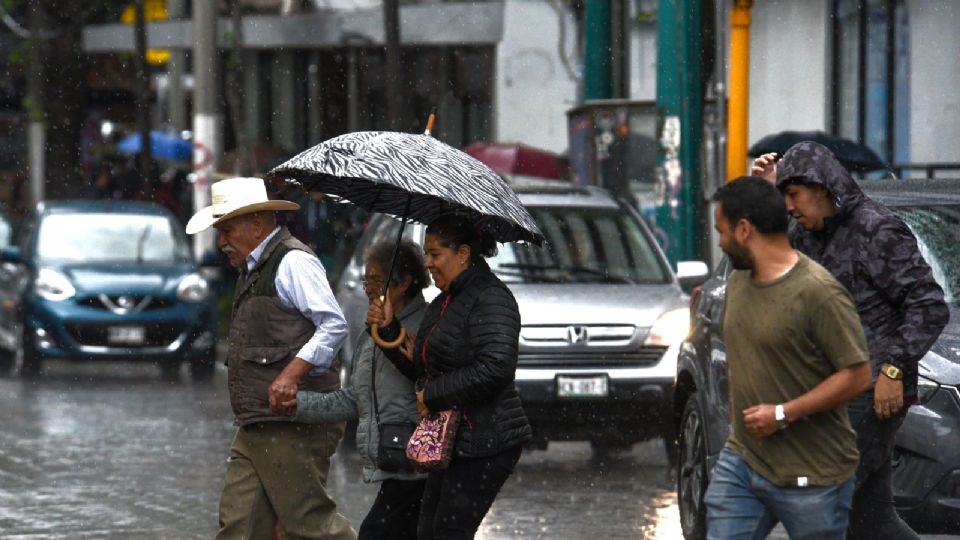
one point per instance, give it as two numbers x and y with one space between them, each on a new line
873 515
395 511
455 500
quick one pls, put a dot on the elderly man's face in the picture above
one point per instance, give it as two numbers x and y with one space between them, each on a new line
238 237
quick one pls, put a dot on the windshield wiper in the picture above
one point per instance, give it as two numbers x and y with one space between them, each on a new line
613 278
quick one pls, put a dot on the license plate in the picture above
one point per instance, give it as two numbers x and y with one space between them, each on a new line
126 335
573 387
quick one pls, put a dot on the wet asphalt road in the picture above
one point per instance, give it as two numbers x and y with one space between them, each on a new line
111 451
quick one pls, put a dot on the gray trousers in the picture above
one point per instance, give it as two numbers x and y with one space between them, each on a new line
277 473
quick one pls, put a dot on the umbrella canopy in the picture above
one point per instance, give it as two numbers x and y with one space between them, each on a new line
412 176
516 159
162 145
854 156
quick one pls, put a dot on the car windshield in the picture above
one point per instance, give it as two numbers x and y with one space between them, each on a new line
583 245
110 237
937 229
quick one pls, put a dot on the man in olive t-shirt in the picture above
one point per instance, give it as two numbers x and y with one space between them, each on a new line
796 353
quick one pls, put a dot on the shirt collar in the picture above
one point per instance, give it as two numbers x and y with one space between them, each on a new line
254 257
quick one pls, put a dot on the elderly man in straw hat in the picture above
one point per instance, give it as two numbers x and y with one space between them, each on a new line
284 337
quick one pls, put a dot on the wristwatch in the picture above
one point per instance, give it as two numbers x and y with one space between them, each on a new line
780 417
892 371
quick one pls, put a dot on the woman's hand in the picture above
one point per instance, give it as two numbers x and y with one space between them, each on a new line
765 167
406 348
289 408
380 312
421 407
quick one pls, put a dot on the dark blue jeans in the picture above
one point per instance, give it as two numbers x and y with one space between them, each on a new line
873 515
742 505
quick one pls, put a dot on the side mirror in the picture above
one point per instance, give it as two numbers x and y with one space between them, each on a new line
692 273
11 254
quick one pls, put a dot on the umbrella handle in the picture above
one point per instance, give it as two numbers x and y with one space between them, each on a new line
375 334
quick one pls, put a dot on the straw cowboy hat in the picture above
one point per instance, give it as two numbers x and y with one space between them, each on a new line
235 197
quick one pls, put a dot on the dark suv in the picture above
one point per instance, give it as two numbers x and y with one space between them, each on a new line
927 462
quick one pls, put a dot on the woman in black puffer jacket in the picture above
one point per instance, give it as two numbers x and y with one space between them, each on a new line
465 357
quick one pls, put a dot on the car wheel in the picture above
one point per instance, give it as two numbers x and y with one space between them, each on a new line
8 359
32 360
202 370
170 371
692 472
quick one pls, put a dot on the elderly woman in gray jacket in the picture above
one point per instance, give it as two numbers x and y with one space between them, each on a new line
396 509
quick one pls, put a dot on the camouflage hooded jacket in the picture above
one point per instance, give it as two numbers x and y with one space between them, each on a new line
876 257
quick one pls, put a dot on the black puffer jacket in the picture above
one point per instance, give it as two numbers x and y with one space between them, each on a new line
875 256
466 357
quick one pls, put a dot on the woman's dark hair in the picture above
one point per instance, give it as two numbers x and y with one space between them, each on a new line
755 200
454 230
409 263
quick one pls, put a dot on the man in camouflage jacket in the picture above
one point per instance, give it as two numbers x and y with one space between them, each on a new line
902 309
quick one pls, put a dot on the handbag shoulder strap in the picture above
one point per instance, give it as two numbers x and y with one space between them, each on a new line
373 385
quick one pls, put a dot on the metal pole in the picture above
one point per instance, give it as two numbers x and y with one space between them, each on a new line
35 111
143 101
391 32
738 112
176 111
206 117
596 50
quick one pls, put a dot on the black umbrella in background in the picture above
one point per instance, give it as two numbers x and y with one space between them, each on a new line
856 157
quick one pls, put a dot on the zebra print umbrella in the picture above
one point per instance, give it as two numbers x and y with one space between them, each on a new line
388 172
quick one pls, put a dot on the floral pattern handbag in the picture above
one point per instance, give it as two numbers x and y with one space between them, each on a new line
431 445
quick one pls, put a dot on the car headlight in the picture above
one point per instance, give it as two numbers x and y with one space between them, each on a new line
193 288
671 327
52 285
926 388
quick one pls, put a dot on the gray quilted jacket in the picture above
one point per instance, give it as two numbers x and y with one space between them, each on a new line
876 257
395 396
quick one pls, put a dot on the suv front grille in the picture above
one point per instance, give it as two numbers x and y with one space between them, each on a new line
647 356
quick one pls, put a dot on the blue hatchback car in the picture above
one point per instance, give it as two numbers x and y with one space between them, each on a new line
105 280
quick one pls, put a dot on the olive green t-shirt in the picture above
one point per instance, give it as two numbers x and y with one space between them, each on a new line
783 338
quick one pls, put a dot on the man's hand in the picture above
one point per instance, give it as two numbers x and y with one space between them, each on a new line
887 397
765 167
284 387
421 407
380 312
761 420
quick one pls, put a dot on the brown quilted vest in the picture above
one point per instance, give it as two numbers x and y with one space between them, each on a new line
265 336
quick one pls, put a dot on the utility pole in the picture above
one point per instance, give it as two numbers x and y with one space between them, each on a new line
176 111
391 33
596 50
147 175
35 110
206 117
739 102
680 125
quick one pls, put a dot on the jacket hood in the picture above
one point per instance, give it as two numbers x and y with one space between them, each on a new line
814 163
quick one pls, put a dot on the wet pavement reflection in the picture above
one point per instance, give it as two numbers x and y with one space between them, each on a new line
112 451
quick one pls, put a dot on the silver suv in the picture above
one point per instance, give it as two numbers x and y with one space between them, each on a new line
602 315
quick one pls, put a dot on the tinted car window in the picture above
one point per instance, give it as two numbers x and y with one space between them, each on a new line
937 229
110 237
584 245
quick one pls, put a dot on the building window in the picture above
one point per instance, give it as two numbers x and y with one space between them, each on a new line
871 84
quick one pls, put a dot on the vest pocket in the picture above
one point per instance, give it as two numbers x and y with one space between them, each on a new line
266 356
